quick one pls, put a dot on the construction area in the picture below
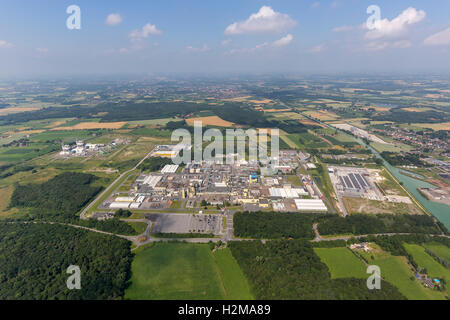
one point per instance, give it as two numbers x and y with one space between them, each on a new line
364 190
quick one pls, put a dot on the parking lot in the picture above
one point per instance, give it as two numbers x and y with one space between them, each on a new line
185 223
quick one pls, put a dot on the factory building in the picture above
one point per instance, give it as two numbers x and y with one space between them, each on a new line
169 168
287 192
310 205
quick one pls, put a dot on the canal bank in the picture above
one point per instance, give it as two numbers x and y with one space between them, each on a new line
410 184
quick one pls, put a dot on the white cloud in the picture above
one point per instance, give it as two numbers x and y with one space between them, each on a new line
266 20
283 41
315 4
343 29
401 44
397 26
438 39
113 19
148 29
42 50
381 45
225 42
376 45
201 49
318 48
5 45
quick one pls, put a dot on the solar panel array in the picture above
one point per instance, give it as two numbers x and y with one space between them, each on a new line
354 181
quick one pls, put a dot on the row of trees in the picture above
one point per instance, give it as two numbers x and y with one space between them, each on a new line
380 223
277 225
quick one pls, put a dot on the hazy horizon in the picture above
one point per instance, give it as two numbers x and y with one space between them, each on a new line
232 37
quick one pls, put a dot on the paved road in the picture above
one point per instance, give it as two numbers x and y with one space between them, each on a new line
229 235
83 213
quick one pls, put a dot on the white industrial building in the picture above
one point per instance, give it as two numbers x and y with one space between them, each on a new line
152 181
135 205
140 199
170 168
287 192
124 199
119 205
310 205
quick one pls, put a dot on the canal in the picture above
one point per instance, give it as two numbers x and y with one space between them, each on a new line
439 210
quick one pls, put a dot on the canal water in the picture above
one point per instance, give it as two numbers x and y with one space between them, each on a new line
439 210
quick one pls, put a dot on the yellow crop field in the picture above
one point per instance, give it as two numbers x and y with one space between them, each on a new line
433 126
9 110
93 125
210 121
273 110
382 109
322 115
263 101
412 109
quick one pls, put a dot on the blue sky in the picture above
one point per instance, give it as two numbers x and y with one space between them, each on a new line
211 36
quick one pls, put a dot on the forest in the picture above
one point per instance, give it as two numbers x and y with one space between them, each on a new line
381 223
64 194
153 164
407 159
273 225
60 198
289 269
34 259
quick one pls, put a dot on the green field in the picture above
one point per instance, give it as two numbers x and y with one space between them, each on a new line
234 281
66 136
139 227
153 122
398 147
185 271
438 249
396 271
294 180
304 140
342 263
424 260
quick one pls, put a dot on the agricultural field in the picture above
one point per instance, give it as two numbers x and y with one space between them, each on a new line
92 125
398 272
152 122
342 263
210 121
305 140
425 261
185 271
397 147
322 115
235 284
438 249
